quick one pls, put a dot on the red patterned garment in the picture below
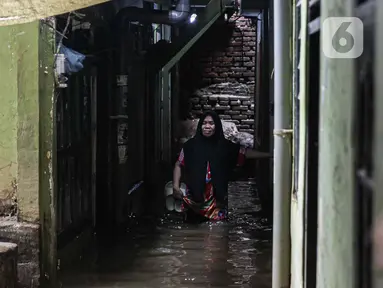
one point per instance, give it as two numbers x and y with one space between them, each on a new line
209 207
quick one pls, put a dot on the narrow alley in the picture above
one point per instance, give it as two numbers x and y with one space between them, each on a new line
170 253
123 121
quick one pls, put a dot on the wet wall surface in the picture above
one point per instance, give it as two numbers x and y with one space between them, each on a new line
170 253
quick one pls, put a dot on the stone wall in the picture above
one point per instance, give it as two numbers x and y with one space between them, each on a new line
219 72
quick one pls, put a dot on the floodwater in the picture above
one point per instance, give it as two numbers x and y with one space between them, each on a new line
169 253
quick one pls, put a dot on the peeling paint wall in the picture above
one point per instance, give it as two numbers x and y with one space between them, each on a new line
28 122
24 79
298 198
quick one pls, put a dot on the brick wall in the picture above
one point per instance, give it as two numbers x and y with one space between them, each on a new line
219 71
233 101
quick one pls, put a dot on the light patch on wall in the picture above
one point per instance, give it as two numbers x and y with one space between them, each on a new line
24 11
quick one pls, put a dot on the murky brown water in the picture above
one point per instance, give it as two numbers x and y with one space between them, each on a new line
236 253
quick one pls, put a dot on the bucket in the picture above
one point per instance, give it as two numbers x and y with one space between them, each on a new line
171 203
178 205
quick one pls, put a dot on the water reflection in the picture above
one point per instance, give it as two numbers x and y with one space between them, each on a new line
236 253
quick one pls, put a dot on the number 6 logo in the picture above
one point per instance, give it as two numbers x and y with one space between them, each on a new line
342 37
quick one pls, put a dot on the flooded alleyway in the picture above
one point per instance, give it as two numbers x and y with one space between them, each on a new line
169 253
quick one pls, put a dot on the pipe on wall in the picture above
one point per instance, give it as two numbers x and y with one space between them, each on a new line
169 17
282 149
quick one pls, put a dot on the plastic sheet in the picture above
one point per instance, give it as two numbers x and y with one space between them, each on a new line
73 60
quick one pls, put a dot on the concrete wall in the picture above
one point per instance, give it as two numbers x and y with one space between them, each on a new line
336 225
19 121
8 123
19 145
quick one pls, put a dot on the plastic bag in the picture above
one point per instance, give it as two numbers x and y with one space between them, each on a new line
73 60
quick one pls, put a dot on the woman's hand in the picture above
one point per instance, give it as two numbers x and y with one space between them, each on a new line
177 193
377 238
176 181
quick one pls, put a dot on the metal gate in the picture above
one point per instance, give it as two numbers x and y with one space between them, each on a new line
74 158
75 152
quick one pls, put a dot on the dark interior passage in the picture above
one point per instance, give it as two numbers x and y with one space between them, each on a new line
111 126
311 212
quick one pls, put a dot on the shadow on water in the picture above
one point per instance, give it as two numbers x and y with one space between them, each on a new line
169 253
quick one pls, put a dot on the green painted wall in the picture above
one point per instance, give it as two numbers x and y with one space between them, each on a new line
27 129
19 118
8 116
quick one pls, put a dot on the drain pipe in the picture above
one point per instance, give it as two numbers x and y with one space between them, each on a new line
169 17
282 149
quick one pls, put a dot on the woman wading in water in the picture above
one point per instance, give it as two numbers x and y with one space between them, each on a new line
207 161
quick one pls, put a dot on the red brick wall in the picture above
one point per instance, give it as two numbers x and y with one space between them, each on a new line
225 53
235 61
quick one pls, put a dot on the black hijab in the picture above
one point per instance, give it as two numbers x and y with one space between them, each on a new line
219 152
